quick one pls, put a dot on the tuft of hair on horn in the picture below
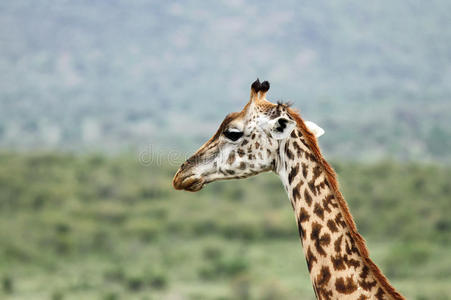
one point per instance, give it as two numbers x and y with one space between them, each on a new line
255 87
259 89
264 87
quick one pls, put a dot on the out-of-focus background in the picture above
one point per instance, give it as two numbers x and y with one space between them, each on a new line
100 101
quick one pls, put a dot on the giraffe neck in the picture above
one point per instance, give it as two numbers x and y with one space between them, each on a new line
337 268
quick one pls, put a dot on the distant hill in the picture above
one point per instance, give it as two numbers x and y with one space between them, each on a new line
110 75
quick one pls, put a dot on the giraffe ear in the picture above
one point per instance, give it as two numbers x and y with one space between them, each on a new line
315 129
281 127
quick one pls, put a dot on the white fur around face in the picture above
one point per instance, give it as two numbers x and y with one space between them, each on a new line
289 127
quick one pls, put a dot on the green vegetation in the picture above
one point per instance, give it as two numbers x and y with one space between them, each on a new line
98 227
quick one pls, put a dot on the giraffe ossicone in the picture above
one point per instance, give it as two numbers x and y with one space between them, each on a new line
273 137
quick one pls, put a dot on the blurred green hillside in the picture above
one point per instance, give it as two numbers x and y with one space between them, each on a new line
100 227
110 75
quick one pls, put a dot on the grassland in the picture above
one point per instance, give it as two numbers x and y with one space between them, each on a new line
98 227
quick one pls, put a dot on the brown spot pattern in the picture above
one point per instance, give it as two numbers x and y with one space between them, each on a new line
366 285
311 185
322 279
303 216
323 276
332 226
338 262
296 191
297 148
311 258
339 220
308 198
303 141
304 170
347 286
380 294
350 262
294 171
301 231
319 211
350 245
319 240
337 244
329 201
288 152
316 172
231 158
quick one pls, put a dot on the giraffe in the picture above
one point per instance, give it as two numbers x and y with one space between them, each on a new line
273 137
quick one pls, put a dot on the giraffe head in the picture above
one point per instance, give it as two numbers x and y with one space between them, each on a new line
246 143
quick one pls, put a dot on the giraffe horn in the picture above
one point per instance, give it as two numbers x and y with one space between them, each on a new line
255 88
259 90
264 87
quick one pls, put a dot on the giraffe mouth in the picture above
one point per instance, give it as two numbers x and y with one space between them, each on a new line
188 183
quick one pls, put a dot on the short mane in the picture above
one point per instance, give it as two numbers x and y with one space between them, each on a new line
332 180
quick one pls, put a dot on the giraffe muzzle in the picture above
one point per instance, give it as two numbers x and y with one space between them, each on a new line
188 182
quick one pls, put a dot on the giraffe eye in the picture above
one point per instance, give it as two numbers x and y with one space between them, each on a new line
233 134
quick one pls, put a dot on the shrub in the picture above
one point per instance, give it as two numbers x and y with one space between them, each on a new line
135 283
110 296
143 228
212 253
158 281
7 284
114 274
224 267
57 295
